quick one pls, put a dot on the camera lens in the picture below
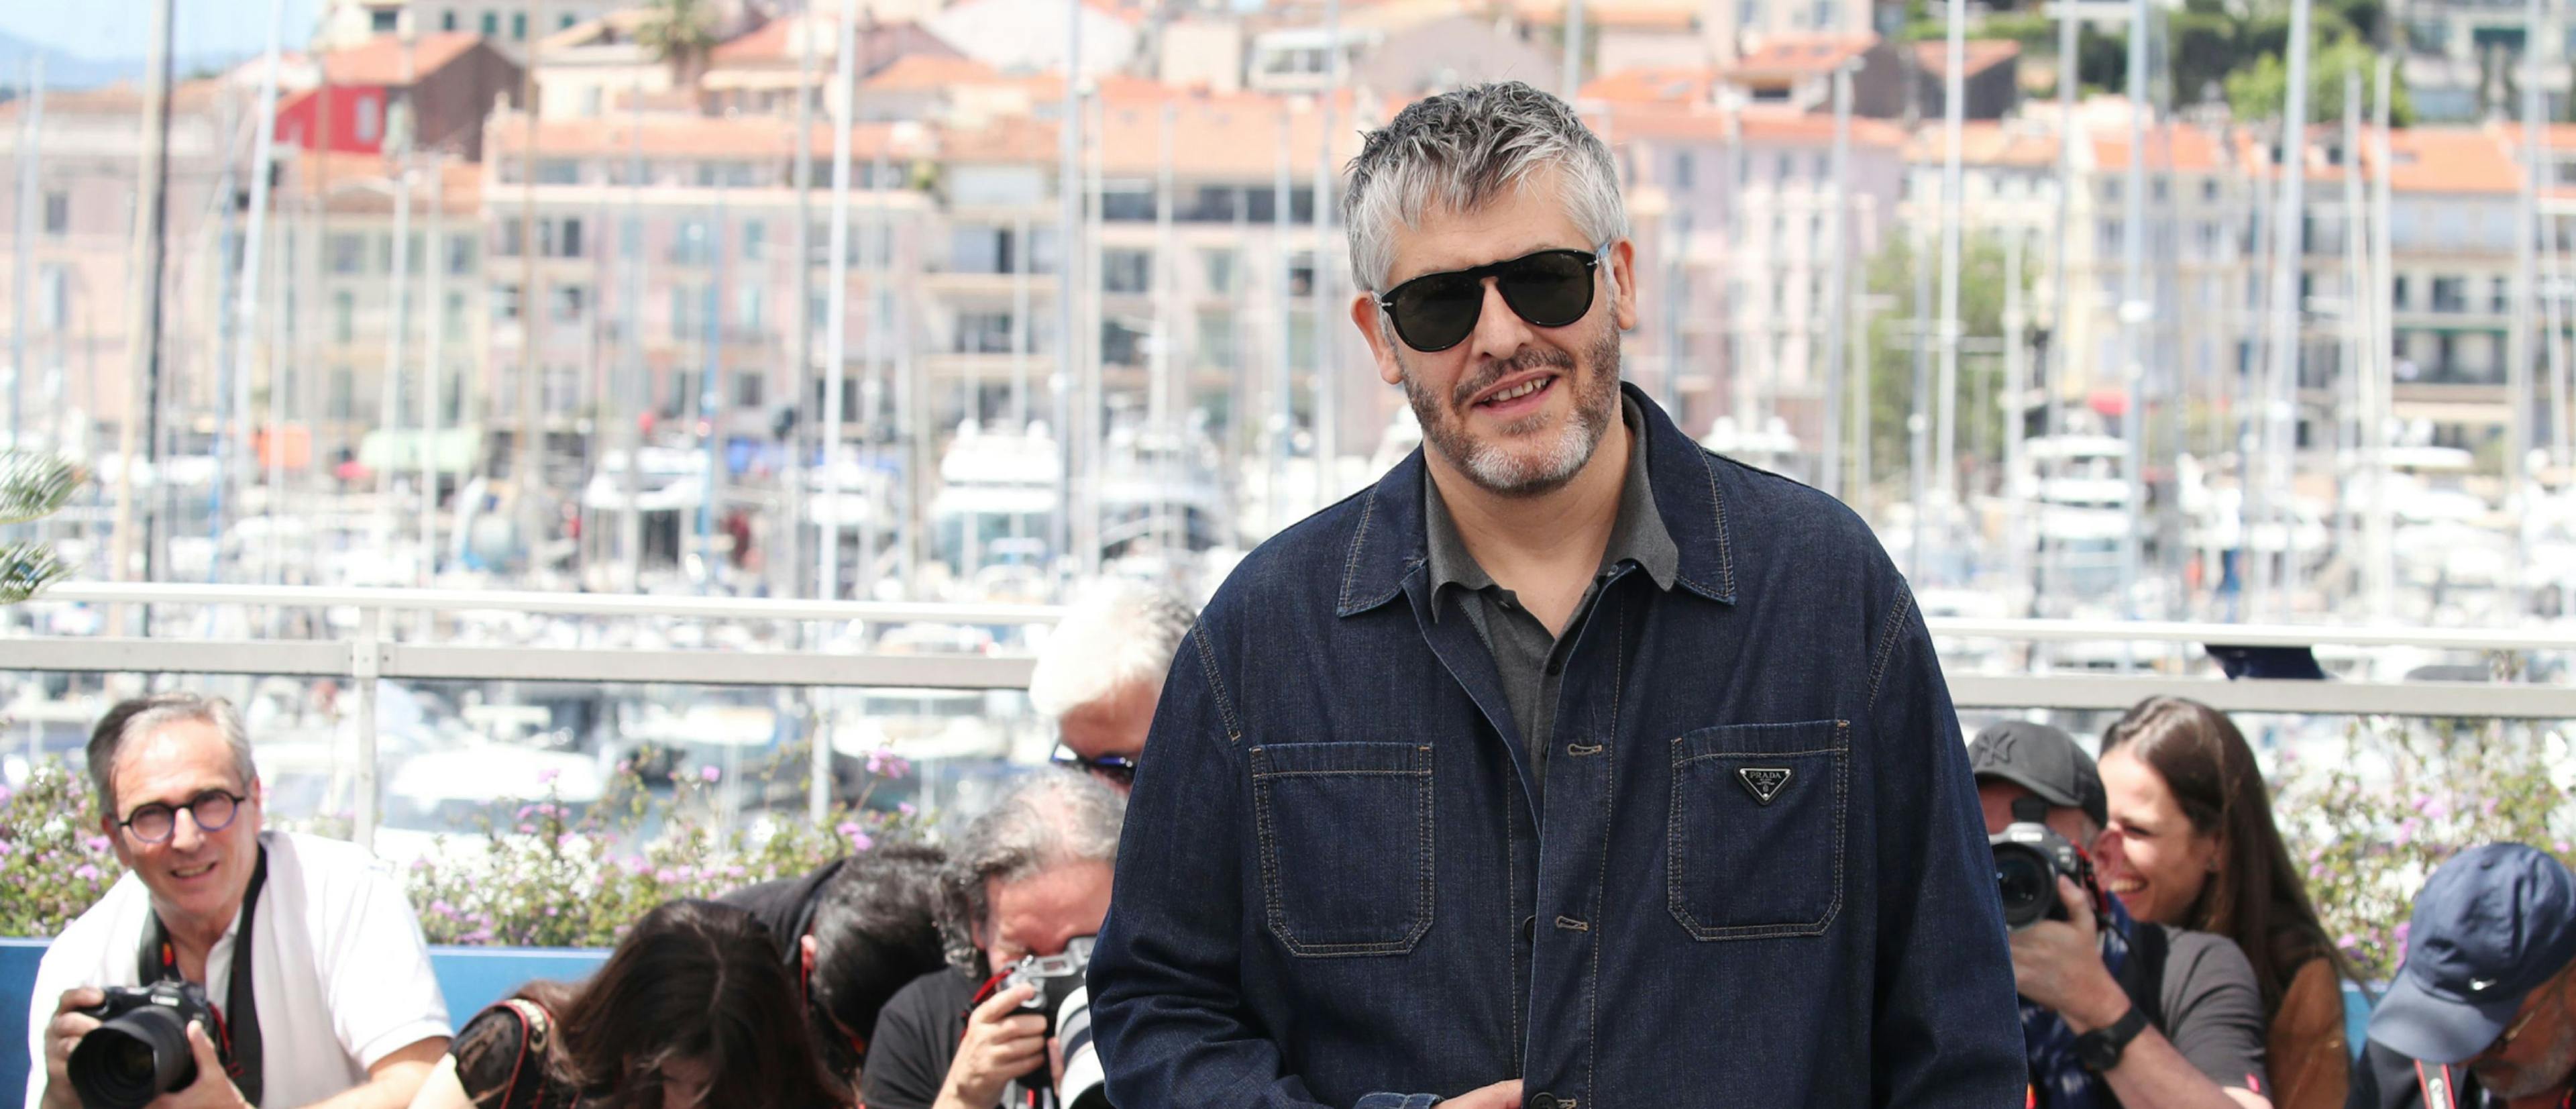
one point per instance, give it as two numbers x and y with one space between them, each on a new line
2026 882
128 1061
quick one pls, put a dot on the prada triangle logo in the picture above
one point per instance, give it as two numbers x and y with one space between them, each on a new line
1763 782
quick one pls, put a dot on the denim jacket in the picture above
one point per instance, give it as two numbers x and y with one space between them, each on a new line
1761 877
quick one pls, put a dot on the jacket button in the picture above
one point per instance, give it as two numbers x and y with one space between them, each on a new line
1542 1101
1529 929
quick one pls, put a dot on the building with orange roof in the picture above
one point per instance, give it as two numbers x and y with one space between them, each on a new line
1733 216
1796 72
760 72
349 23
450 80
1675 86
1448 53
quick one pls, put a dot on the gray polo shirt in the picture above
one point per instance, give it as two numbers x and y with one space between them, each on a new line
1530 661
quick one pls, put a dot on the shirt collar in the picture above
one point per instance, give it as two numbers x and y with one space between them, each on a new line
1637 533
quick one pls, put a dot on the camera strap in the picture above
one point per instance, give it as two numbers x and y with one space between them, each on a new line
237 1023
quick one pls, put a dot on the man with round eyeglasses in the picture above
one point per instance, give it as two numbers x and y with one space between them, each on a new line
1570 766
310 959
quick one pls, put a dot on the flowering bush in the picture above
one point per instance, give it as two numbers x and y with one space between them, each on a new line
2407 795
53 862
547 879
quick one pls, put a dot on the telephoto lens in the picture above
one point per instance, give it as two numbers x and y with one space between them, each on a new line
133 1058
1084 1081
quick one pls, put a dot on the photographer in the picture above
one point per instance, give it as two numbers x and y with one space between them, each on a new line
1030 877
2114 1012
851 934
307 980
1100 674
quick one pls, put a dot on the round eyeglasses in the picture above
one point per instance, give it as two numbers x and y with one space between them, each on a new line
213 811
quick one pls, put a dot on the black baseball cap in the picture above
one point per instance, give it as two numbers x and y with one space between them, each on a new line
2044 760
2489 925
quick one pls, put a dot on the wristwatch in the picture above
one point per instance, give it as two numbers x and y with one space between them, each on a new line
2099 1050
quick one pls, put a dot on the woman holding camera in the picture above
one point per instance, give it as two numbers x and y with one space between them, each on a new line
693 1001
2191 844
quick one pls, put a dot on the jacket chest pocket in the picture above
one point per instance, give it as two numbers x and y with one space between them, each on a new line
1345 835
1756 830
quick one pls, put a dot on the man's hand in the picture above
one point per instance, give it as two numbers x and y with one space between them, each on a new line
1500 1095
2057 964
63 1034
999 1047
211 1090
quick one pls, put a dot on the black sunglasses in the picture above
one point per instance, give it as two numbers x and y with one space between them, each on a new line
1437 311
1118 769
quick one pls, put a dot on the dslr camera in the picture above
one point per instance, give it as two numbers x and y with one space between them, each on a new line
139 1050
1061 996
2028 859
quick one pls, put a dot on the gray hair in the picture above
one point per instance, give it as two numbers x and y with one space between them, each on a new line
1120 634
1459 150
142 716
1047 819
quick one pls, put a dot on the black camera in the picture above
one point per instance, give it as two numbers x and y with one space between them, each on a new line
139 1051
2028 859
1065 1001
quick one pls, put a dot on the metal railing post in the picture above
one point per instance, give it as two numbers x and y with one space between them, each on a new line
366 662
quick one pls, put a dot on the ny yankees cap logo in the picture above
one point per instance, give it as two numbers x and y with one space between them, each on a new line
1763 782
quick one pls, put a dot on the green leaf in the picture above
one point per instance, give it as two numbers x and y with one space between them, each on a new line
34 486
26 568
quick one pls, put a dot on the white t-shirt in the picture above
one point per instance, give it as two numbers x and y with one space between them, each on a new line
342 970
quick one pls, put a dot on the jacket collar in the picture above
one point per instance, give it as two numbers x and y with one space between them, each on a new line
1390 539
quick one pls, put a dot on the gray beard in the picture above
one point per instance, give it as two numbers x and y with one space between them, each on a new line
1595 380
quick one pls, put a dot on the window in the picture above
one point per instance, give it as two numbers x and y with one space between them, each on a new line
1215 204
569 300
348 253
748 387
565 23
692 246
560 238
460 255
58 214
454 323
750 304
505 302
2450 294
686 316
558 171
2503 295
518 26
344 393
371 119
1126 204
447 20
1126 271
1301 273
1216 341
983 333
2397 292
1223 270
755 241
344 317
1682 169
384 21
491 24
1121 345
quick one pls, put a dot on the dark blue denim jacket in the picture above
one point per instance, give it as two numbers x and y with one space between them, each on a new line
1332 883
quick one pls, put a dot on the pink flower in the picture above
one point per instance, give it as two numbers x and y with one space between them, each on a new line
527 829
550 910
665 876
710 773
97 843
884 761
2348 942
906 808
858 836
4 795
85 872
547 777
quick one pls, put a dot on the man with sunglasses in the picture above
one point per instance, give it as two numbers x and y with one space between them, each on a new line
1570 766
1101 670
2483 1013
312 959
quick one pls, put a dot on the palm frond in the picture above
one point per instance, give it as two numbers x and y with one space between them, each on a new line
26 568
34 486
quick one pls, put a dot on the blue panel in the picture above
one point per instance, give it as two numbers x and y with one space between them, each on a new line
471 977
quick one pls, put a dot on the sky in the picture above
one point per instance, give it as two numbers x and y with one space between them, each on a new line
111 29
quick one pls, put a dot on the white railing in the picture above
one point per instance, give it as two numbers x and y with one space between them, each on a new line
370 653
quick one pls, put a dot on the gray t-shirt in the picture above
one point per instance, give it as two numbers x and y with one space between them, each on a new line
2214 1009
